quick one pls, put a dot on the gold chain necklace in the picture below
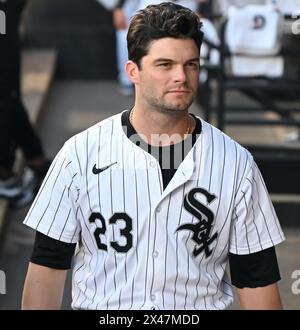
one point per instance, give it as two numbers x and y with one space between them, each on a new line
130 116
188 130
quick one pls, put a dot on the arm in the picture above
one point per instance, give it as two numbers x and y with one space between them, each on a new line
266 297
43 288
254 272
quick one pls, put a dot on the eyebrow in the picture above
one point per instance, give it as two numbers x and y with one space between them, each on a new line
196 59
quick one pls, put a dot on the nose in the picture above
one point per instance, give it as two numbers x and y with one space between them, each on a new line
179 74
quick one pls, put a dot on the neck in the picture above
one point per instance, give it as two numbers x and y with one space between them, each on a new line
159 128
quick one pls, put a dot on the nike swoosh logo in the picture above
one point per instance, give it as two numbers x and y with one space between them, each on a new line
99 170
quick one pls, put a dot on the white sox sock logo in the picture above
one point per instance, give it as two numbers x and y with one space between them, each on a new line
202 229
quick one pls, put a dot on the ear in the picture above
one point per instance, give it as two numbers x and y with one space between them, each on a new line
132 72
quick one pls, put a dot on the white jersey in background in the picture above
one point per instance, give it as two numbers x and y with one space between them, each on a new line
191 4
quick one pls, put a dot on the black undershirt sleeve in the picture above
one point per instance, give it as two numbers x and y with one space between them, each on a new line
254 270
52 253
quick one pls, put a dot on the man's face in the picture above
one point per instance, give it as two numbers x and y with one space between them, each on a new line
169 75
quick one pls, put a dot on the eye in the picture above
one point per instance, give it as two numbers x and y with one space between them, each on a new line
194 65
164 64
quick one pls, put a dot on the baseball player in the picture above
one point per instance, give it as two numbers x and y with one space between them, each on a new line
155 200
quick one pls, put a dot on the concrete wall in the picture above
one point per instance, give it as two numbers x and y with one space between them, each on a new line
81 31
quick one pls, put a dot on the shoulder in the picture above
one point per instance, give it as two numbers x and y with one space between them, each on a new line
83 147
223 151
213 136
91 136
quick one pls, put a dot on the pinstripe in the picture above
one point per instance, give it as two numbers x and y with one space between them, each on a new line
198 284
91 255
217 212
98 162
166 251
56 211
42 187
242 176
254 222
188 270
226 218
112 210
95 283
219 282
72 181
75 144
225 282
87 265
245 224
98 186
178 223
99 200
153 249
189 235
149 226
159 179
81 267
212 157
235 234
124 209
49 201
70 162
77 226
65 224
78 194
106 255
264 217
137 231
188 238
99 204
209 189
86 170
272 209
198 180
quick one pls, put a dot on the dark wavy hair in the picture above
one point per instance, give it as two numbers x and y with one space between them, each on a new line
161 21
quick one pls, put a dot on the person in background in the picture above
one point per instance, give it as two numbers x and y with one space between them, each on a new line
16 131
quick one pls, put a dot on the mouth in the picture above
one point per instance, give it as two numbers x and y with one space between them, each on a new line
179 91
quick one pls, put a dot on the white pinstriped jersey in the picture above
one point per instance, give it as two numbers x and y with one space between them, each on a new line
140 246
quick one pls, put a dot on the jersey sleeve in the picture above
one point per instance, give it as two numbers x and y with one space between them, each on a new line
255 225
53 212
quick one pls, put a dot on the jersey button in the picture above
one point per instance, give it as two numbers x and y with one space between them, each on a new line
158 209
155 254
152 164
152 297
